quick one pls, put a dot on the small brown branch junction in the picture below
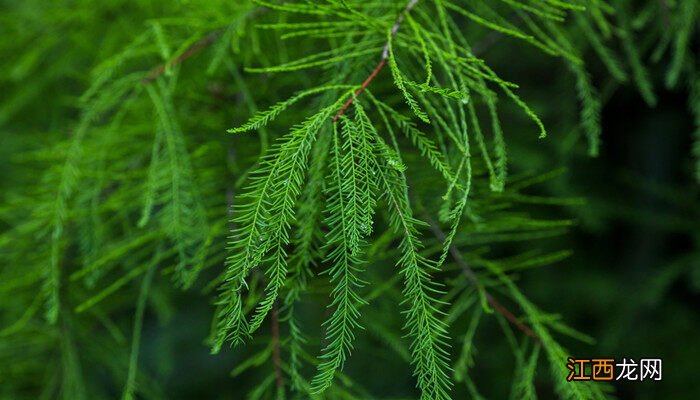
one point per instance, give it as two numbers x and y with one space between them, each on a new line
474 280
192 50
382 61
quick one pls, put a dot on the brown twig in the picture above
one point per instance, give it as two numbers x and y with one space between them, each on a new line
198 46
276 356
510 317
192 50
382 61
466 269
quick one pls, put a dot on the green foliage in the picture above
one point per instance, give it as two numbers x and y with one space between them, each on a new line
389 124
171 182
349 218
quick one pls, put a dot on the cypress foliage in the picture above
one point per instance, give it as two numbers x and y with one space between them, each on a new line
359 195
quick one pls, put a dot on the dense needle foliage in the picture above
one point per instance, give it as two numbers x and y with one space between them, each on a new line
364 197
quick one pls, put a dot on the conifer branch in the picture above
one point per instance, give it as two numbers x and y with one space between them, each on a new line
382 62
510 317
474 279
200 45
305 223
427 331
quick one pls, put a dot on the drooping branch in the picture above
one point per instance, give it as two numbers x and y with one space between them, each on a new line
200 45
382 61
474 279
